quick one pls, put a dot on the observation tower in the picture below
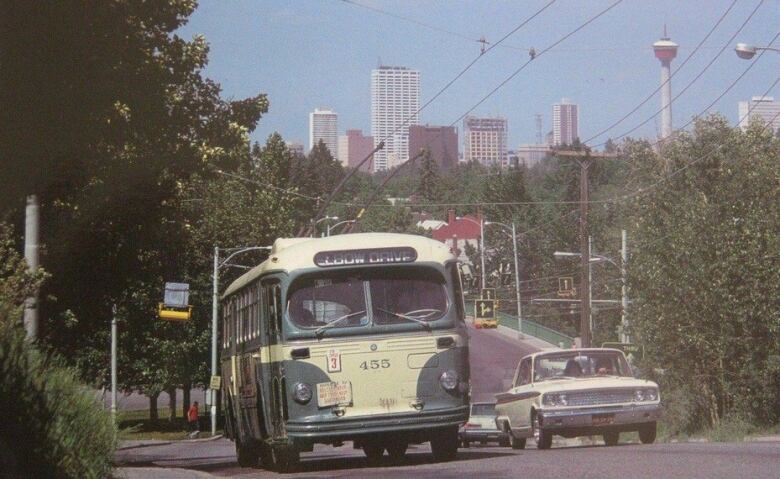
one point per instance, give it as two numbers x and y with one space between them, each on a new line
665 50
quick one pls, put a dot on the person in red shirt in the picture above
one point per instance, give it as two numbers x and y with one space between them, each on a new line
192 420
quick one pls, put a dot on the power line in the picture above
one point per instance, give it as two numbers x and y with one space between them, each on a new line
537 55
726 45
687 59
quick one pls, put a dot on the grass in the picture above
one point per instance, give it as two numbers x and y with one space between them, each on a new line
136 425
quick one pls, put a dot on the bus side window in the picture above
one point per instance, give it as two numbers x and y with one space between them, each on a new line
458 290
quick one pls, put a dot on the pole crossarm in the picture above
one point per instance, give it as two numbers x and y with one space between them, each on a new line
237 251
575 301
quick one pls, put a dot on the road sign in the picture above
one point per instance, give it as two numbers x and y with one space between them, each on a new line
216 382
635 350
488 293
566 287
485 309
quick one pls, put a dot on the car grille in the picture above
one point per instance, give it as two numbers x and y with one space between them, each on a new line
592 398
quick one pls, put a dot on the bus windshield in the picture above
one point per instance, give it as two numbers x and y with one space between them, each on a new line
335 300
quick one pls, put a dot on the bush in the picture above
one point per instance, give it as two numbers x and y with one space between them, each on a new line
51 426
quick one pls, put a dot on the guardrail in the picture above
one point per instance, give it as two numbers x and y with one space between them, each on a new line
529 327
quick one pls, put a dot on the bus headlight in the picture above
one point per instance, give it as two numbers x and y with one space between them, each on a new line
449 380
302 393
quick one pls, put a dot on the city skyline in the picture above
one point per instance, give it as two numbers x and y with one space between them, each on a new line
606 69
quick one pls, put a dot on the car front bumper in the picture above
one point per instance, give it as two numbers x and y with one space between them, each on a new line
619 418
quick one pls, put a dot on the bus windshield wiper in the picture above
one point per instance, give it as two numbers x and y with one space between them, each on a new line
318 332
416 319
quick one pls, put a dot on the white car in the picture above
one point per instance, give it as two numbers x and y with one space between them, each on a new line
577 392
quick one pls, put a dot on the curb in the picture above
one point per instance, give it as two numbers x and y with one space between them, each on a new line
153 443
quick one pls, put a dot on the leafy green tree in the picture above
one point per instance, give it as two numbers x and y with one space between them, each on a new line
428 186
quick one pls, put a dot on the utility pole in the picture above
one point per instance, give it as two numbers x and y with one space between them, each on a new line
113 361
624 338
31 237
584 254
482 247
214 316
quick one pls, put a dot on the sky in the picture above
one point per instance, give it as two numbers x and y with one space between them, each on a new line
307 54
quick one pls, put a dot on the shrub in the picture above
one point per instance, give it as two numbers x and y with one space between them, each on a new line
51 426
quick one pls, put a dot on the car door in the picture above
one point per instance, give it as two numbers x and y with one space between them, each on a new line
524 396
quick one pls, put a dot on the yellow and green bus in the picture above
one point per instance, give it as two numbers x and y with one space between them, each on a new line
357 337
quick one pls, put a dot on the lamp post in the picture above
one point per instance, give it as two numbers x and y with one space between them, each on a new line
339 223
517 274
232 252
324 218
747 51
481 224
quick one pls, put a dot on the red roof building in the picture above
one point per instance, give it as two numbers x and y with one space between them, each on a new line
459 231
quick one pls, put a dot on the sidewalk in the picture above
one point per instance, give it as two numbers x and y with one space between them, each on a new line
137 444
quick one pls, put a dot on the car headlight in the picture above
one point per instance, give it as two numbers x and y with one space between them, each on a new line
651 395
449 380
639 395
554 400
302 393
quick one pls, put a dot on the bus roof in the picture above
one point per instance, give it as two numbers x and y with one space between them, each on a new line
289 254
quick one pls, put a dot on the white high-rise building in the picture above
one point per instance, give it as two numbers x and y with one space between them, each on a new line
566 119
323 125
764 107
485 140
395 99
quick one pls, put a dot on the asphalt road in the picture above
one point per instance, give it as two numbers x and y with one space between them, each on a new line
493 358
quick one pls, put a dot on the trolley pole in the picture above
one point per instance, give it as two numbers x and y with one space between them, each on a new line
113 361
214 313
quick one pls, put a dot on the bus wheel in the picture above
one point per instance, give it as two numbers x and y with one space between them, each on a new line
373 451
247 454
397 449
444 444
285 458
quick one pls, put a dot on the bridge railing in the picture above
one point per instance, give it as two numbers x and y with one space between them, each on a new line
530 328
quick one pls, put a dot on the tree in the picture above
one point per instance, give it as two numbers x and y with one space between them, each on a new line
428 185
704 275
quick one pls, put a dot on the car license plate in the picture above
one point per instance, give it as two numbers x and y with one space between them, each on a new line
334 393
599 419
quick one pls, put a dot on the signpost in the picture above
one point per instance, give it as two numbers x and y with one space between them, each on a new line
175 305
485 313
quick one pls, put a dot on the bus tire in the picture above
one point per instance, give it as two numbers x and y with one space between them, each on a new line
373 451
444 444
247 454
284 458
396 449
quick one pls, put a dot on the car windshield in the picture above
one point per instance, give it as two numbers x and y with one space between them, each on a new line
576 365
334 300
483 409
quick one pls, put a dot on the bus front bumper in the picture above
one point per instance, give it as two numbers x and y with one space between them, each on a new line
350 427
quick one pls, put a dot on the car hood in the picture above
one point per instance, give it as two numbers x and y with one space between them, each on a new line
583 384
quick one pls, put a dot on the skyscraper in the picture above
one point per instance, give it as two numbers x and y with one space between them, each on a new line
353 148
395 99
566 119
485 140
323 125
666 50
764 107
440 141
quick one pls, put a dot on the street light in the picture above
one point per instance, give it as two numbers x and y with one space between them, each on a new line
324 218
481 243
746 51
517 274
215 313
339 223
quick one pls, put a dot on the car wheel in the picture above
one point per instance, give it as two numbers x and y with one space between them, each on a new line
542 438
397 450
504 443
647 433
516 443
444 444
464 443
611 438
373 452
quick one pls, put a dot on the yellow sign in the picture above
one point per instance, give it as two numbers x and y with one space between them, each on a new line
174 314
216 382
488 293
485 309
566 287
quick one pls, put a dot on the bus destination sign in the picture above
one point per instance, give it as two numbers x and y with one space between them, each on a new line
402 254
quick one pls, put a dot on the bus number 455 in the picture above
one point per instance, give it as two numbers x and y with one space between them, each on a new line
375 364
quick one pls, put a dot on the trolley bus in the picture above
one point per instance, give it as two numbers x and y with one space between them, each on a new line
356 337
